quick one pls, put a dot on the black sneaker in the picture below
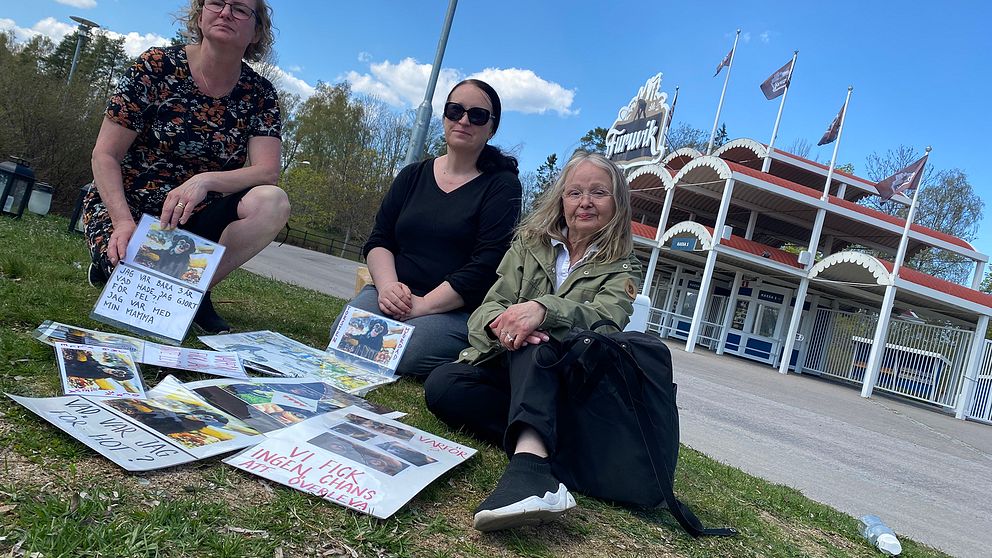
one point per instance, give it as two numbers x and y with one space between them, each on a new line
527 494
208 320
96 277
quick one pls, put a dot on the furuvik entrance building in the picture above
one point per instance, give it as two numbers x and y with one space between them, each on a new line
711 229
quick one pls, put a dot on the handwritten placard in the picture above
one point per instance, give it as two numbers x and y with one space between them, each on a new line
145 303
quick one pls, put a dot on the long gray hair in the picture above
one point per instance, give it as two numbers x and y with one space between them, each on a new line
615 240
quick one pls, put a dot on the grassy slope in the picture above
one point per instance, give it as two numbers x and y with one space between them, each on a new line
60 499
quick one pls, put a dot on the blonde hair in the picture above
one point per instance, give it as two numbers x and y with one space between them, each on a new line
257 51
615 240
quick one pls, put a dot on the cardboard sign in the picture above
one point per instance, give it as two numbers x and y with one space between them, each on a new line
156 289
355 459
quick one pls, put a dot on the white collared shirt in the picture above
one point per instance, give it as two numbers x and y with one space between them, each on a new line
563 266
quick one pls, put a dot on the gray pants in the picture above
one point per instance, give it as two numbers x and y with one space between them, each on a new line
436 338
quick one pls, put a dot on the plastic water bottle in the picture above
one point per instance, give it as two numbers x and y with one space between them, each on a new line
879 534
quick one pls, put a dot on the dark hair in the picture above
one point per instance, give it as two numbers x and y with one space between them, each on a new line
491 159
176 239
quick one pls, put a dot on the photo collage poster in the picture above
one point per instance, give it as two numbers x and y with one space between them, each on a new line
354 458
371 337
156 289
98 371
182 422
277 355
216 363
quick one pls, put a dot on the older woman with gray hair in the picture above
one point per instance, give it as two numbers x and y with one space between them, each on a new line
571 264
192 136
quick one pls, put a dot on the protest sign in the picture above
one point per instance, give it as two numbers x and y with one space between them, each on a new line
353 458
227 364
156 289
98 371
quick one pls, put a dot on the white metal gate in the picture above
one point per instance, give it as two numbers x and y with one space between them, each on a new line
981 403
920 361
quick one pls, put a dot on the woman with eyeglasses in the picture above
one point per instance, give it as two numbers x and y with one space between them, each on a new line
571 264
441 230
192 136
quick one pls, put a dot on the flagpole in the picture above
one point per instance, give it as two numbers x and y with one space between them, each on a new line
726 79
833 158
771 143
904 240
668 122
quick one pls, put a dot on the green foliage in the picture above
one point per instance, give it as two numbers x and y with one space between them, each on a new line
594 140
536 183
51 124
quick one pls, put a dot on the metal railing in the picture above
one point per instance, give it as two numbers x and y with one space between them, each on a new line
921 361
664 324
981 402
319 243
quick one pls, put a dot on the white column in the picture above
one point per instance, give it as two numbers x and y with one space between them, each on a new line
979 274
971 373
662 221
731 307
706 283
752 222
790 336
666 318
806 328
878 342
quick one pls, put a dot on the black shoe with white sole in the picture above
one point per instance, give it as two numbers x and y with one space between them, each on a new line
527 494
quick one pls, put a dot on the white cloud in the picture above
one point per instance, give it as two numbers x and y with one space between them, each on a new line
364 57
765 37
746 37
49 27
288 82
524 91
402 84
296 69
135 43
82 4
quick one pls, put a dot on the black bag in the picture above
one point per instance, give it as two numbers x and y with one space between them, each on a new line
617 417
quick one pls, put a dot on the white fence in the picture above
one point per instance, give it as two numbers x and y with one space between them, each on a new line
981 404
922 362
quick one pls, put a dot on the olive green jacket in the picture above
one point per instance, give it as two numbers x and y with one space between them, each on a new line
593 291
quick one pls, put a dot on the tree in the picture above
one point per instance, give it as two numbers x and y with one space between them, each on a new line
721 136
49 123
536 183
800 147
594 140
947 203
685 135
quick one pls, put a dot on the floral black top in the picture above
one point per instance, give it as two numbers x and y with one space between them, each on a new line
182 131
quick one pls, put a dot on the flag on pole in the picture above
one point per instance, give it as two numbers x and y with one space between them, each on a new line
777 82
906 178
834 129
725 62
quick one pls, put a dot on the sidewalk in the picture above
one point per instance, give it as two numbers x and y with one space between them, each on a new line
928 475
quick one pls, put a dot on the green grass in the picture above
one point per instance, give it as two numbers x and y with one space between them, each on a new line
58 498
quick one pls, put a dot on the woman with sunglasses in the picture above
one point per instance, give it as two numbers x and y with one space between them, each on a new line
192 136
441 230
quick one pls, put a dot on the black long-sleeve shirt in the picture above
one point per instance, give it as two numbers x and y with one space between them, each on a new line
459 237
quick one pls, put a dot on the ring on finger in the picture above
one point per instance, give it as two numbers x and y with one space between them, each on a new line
180 205
509 338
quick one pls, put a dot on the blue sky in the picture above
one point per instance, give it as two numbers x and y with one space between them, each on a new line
920 70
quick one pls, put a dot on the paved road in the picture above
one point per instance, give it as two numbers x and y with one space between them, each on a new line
928 475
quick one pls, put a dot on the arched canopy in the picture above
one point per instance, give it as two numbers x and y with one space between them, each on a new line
680 157
851 267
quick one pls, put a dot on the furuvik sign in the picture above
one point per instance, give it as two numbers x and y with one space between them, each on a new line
636 137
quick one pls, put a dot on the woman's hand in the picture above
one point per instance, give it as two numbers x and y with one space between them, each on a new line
121 235
395 300
517 325
179 203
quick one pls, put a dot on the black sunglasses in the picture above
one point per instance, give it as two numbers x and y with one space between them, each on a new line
476 115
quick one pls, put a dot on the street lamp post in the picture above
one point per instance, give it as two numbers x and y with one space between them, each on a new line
82 31
419 133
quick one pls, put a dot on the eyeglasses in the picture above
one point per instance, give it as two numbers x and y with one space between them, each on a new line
238 10
598 194
476 115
